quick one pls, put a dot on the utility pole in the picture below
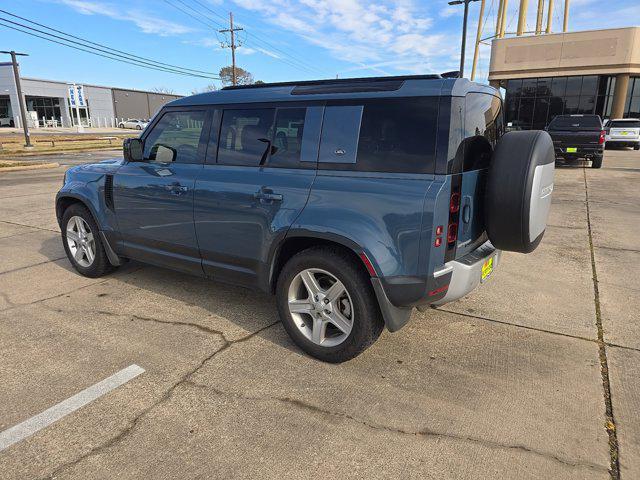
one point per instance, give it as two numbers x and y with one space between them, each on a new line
464 30
549 16
233 47
503 20
23 107
476 51
565 25
499 18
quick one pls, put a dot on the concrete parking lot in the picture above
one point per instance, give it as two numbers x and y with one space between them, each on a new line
534 375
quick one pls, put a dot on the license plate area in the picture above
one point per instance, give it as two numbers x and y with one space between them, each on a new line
572 150
487 268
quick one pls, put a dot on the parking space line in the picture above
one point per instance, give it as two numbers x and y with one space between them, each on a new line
36 423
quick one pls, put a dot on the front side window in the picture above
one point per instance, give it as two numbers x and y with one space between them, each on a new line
175 138
245 136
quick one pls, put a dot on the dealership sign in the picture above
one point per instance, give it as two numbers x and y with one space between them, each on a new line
77 92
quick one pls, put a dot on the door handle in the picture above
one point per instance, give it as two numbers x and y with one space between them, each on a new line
267 195
176 189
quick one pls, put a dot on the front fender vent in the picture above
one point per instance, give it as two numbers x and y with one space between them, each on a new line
108 192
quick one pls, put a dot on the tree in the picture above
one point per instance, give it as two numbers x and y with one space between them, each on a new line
242 76
165 90
209 88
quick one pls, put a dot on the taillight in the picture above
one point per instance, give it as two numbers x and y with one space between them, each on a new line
454 202
452 232
602 134
454 208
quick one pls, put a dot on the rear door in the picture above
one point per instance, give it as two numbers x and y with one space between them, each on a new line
153 199
248 195
483 126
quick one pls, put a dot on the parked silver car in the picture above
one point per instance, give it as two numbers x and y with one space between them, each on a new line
133 123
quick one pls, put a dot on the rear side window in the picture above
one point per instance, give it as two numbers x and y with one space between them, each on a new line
287 138
245 136
483 127
389 135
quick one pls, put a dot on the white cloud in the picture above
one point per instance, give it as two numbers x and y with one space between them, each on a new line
368 34
143 20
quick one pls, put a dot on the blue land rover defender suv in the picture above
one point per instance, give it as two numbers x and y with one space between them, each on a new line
353 201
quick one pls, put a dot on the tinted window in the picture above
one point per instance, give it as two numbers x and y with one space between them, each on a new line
287 137
575 122
544 87
574 84
175 137
483 127
398 136
558 86
514 87
629 124
589 85
244 136
529 87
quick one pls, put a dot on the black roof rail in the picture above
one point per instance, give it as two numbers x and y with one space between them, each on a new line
336 82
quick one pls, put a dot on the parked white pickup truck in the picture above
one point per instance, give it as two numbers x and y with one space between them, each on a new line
623 132
6 122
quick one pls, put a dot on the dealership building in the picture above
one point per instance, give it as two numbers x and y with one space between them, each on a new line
586 72
48 102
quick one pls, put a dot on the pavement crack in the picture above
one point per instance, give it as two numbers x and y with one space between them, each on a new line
610 424
426 432
165 397
34 265
30 226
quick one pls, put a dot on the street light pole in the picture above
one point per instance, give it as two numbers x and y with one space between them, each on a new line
464 30
23 107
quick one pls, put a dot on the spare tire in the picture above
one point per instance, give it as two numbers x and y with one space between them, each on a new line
518 190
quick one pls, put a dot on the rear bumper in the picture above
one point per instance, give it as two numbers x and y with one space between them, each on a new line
582 152
623 142
466 272
453 281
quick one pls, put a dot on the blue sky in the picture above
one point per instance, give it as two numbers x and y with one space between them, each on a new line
283 39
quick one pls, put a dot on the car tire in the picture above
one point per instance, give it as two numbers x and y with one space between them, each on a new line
121 125
518 190
139 127
95 265
12 123
636 147
356 310
596 162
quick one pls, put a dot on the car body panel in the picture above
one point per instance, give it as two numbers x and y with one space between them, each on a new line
235 228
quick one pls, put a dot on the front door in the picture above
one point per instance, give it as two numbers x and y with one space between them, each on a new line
153 198
247 200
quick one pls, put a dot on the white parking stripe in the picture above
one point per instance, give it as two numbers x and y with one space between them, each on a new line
27 428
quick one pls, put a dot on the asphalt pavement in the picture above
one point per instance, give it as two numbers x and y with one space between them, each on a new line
147 373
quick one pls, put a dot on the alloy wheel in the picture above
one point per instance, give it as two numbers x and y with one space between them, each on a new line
321 307
80 241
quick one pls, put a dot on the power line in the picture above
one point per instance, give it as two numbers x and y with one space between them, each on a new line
133 56
161 69
198 19
292 60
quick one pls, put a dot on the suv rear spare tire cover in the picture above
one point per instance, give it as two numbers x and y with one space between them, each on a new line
518 193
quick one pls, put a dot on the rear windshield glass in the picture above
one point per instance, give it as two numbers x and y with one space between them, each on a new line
562 122
628 124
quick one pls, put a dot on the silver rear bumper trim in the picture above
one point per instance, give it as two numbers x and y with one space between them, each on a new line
467 272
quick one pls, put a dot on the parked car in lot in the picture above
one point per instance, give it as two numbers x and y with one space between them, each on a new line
623 132
6 122
133 123
353 201
578 137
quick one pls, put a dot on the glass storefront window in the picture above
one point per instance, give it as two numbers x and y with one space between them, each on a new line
558 86
574 85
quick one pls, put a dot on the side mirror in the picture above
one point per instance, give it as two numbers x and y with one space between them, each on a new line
132 149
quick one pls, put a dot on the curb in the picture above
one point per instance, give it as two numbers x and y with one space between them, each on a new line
55 152
39 166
